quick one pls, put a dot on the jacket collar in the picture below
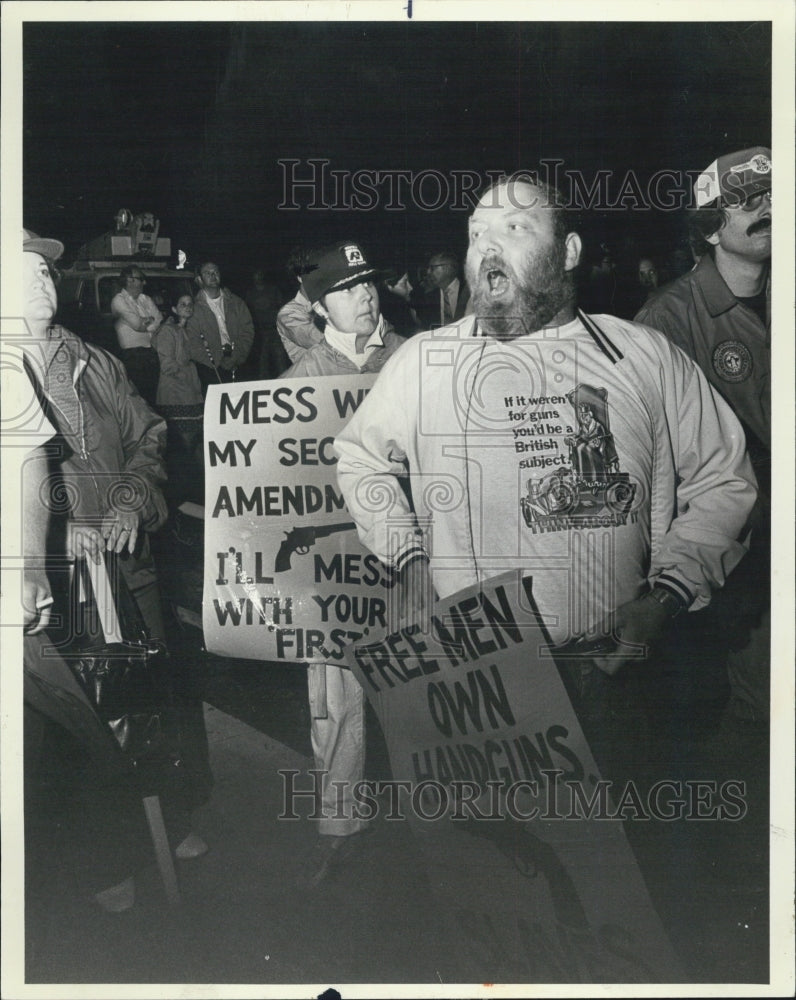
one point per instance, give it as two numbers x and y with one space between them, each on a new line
718 297
204 298
41 355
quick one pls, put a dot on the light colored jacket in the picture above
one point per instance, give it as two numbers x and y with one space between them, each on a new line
297 327
323 359
481 428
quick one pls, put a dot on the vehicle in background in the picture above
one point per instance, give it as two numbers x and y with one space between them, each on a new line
87 287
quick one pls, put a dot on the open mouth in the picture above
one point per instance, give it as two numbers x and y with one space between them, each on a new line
497 281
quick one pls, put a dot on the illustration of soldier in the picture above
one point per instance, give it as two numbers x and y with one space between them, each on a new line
593 492
591 449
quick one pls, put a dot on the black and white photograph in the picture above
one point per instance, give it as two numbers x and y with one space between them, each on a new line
397 499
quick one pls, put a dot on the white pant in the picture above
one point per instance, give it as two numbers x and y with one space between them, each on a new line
338 742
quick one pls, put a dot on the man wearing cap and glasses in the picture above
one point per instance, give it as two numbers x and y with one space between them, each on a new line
338 282
137 321
720 315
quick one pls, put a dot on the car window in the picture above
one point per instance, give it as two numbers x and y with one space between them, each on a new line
67 289
168 287
108 287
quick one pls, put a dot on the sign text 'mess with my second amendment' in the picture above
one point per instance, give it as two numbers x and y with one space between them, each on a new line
286 577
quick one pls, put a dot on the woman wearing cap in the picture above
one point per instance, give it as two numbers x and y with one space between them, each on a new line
339 284
338 281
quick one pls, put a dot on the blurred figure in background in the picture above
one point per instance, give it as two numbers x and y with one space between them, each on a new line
298 326
268 358
442 297
648 277
179 400
599 287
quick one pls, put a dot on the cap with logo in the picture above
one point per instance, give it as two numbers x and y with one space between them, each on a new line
730 180
31 243
334 268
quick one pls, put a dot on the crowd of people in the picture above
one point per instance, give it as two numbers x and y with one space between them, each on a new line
686 383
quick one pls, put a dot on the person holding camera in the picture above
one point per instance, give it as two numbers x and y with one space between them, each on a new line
220 332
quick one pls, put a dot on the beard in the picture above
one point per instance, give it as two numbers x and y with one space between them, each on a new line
538 292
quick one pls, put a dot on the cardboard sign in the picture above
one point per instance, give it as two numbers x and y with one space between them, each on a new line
523 839
285 576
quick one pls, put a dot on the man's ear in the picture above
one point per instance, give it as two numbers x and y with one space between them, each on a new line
573 247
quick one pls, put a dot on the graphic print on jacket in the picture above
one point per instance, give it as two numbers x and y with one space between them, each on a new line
591 491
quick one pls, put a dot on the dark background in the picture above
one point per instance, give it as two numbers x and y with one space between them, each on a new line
189 120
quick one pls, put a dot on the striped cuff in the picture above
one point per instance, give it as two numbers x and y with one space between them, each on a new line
676 588
409 556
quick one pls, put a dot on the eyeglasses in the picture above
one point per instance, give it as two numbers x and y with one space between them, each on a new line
754 201
137 277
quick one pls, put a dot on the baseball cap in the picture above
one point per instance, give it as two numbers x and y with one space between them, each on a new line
731 179
32 243
333 268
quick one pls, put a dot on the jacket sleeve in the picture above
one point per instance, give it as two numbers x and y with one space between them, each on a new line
715 485
143 435
372 469
660 318
166 345
297 329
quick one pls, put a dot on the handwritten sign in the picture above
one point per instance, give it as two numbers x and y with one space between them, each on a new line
523 838
285 576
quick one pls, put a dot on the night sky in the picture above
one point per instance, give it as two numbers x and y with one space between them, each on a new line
191 120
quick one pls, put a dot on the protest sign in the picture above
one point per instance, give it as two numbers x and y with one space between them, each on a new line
285 576
522 837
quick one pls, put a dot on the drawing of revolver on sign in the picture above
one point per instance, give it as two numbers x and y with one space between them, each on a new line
301 539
